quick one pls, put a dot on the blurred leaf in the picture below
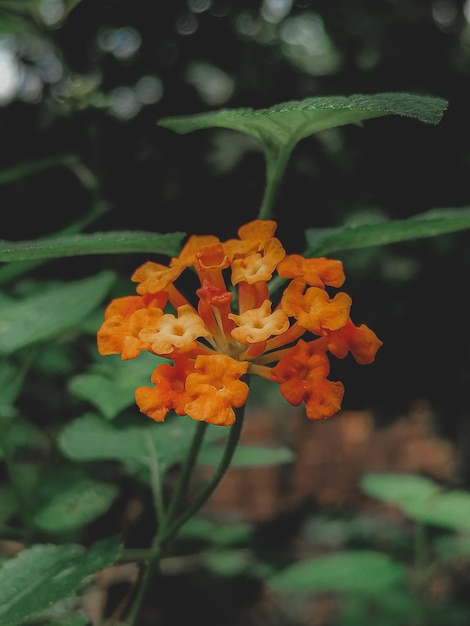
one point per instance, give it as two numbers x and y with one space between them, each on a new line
283 125
75 505
452 547
248 456
400 489
15 24
228 563
20 434
91 438
111 386
19 172
45 315
96 243
213 533
11 382
8 504
430 224
447 509
396 607
421 499
42 575
357 571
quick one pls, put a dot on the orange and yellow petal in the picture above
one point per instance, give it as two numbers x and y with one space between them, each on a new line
259 324
215 388
252 238
314 309
257 267
169 391
302 375
316 272
170 332
120 335
191 249
154 277
361 341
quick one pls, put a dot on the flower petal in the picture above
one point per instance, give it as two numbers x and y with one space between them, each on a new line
302 374
216 388
169 391
316 272
170 332
361 341
259 324
315 310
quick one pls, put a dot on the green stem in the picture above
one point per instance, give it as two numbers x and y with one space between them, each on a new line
156 550
187 469
276 162
219 473
171 524
149 570
155 479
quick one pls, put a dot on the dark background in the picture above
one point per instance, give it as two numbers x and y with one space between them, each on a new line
202 55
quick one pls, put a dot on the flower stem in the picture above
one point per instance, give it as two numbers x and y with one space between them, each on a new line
171 522
223 466
185 476
276 162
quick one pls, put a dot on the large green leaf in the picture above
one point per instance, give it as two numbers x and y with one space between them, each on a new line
96 243
75 505
91 438
356 571
9 271
429 224
110 385
54 310
45 574
285 124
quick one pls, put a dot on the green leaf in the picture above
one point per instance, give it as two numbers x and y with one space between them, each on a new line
21 435
110 386
402 490
279 128
11 382
91 438
45 574
421 499
447 509
96 243
357 571
429 224
75 505
285 124
210 532
8 504
248 456
45 315
227 563
22 170
451 547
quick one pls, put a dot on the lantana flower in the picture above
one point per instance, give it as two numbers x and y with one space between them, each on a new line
232 329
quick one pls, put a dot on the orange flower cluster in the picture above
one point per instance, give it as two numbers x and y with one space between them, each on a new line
232 333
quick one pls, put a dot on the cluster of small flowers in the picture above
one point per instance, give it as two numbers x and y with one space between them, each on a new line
214 346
